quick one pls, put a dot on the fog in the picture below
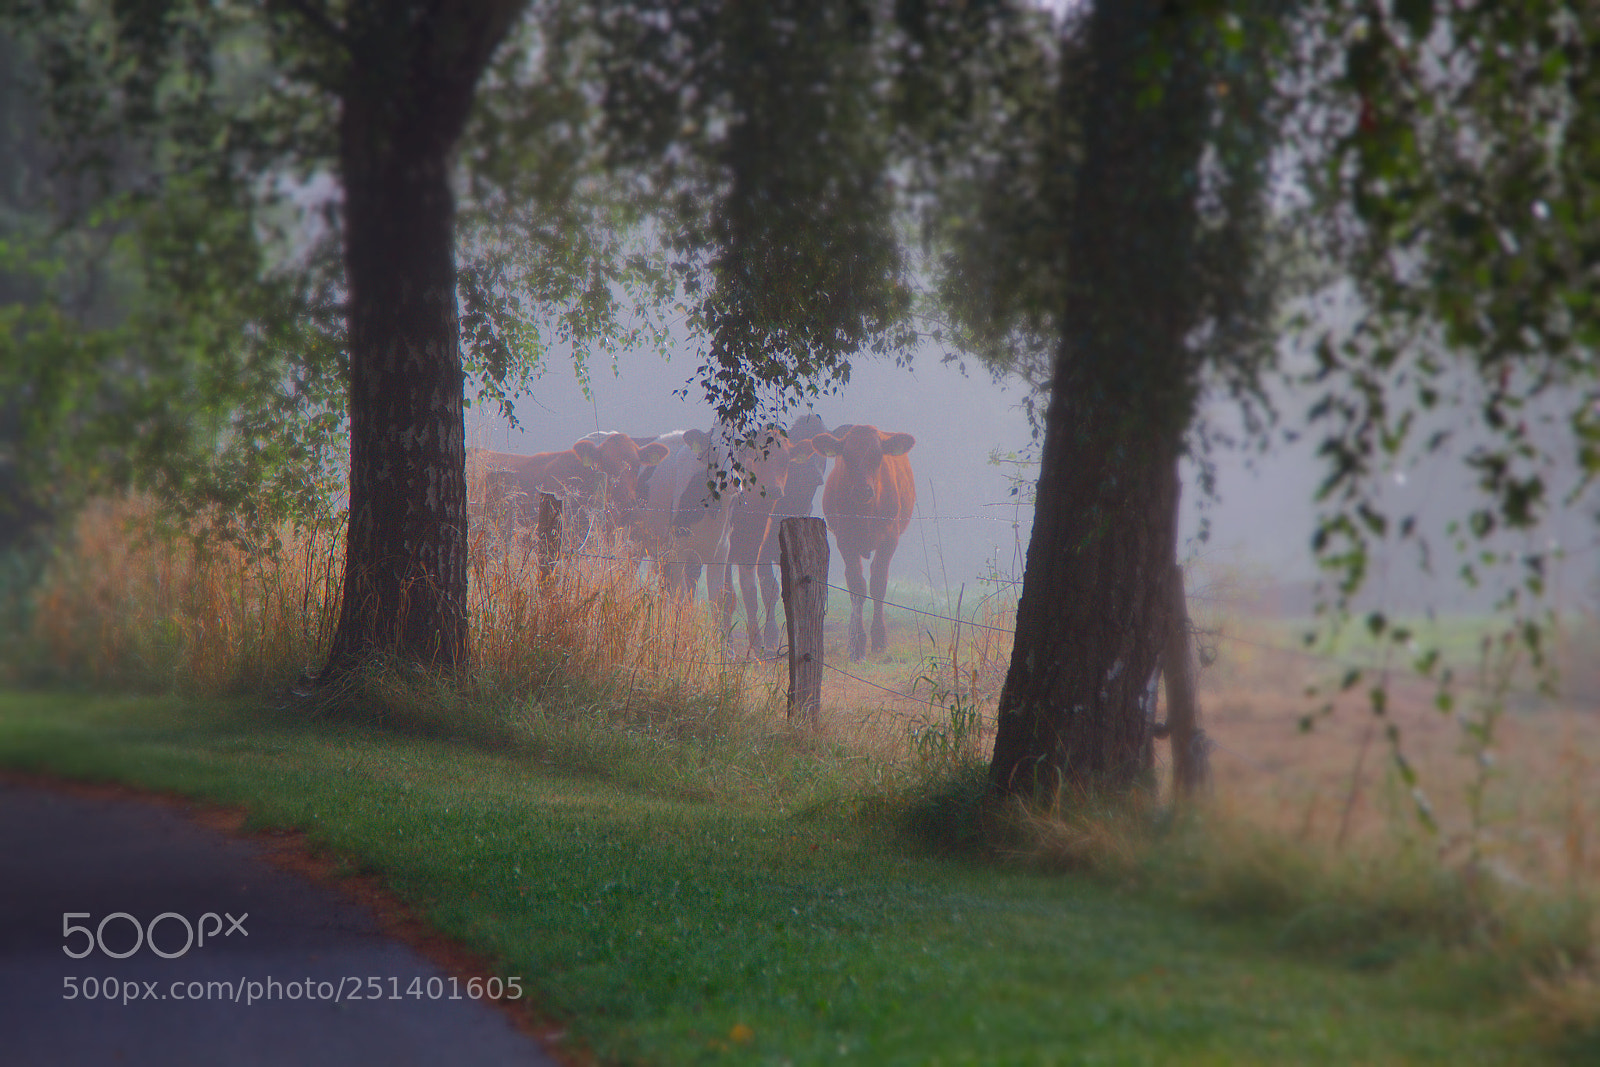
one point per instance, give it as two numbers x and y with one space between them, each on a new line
966 521
968 526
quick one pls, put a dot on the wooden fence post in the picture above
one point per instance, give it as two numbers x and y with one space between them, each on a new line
803 564
549 533
1191 763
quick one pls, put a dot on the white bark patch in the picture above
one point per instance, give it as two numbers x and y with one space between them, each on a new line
1147 703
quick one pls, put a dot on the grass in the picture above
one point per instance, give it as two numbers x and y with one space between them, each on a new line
1508 783
613 802
678 931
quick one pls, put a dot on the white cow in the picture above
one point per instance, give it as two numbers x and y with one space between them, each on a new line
681 523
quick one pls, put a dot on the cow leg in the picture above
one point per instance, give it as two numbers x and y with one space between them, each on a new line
752 604
858 596
718 577
880 586
769 593
683 580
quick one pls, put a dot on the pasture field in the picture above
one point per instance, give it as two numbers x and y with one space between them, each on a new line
613 804
1507 779
659 929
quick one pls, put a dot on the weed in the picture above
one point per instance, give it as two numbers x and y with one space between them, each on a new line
948 741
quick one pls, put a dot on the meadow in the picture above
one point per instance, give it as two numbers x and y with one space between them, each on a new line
615 802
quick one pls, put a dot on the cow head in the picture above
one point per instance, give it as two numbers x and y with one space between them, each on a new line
763 464
698 442
806 466
860 451
617 460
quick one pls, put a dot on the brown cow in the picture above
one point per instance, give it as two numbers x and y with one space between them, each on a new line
600 474
763 474
707 495
806 472
867 501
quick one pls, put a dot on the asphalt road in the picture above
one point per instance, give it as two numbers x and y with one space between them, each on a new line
290 972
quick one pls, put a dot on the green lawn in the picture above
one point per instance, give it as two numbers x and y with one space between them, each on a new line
670 931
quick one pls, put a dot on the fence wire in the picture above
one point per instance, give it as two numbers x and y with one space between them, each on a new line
1320 657
929 614
886 689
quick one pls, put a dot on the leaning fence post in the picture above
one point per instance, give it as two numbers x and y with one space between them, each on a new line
1191 765
803 565
549 532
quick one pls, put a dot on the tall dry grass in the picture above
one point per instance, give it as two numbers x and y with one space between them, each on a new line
125 603
122 603
656 661
1505 779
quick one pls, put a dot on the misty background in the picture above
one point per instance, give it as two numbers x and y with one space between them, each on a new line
967 522
970 529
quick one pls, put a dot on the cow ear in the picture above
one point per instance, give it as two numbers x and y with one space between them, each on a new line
652 454
807 425
827 445
802 449
588 452
898 444
698 441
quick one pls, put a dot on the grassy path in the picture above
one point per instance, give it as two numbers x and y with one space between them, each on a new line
677 932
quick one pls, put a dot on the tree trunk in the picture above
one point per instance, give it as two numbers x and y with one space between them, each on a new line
411 74
1191 758
1075 711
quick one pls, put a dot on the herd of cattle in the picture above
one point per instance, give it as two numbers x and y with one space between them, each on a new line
694 501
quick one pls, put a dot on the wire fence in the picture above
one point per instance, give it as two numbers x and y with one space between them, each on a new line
644 556
514 505
1330 659
1320 657
929 614
1344 662
892 692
